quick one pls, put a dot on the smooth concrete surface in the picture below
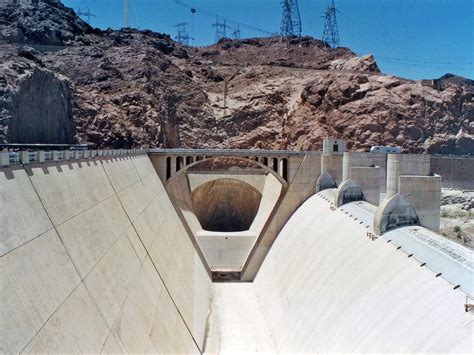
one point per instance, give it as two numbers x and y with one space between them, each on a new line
325 287
19 228
424 194
236 323
355 160
405 164
179 190
225 251
369 179
97 259
302 177
333 165
115 271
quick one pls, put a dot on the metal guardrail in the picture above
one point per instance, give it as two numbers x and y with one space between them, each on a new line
232 152
29 157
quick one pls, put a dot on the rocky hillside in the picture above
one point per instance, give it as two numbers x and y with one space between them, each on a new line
62 81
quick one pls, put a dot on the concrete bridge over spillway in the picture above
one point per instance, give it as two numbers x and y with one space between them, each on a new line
120 251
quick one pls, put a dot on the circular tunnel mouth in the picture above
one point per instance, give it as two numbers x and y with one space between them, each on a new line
226 205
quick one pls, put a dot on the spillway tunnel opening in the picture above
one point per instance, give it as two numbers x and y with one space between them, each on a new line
226 205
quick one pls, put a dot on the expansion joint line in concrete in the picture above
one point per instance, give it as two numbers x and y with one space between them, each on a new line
72 263
142 262
154 265
54 227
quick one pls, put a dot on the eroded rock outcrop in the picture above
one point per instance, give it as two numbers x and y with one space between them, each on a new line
135 88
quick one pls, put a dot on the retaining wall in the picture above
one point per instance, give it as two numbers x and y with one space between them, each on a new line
95 258
457 172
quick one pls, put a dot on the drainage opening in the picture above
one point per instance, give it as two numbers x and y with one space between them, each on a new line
226 205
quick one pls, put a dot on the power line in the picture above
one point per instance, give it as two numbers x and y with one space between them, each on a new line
419 65
221 29
331 32
236 33
194 9
87 14
183 35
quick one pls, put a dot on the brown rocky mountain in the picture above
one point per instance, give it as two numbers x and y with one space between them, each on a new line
62 81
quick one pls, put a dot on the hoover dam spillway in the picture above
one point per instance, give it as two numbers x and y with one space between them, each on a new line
176 251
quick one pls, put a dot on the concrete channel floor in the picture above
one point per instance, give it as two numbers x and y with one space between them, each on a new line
236 323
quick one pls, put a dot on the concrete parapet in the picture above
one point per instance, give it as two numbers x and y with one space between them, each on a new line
4 158
41 157
424 194
394 212
24 157
348 191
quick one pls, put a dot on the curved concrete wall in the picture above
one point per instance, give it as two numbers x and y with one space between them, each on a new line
95 258
325 287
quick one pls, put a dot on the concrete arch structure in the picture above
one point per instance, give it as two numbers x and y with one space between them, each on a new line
394 212
225 251
325 181
348 191
196 162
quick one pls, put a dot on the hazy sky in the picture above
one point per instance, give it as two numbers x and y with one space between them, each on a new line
409 38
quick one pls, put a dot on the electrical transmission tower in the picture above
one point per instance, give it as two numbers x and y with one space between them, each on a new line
221 29
330 32
87 14
125 13
291 20
183 35
236 33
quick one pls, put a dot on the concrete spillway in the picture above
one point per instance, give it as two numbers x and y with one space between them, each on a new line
94 257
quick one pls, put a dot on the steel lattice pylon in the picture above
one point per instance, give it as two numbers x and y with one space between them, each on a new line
183 35
291 20
330 32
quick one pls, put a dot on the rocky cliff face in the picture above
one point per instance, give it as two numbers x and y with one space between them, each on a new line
138 88
35 103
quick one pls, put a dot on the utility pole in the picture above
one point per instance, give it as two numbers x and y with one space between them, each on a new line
87 14
330 32
236 33
221 29
125 13
183 35
291 20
